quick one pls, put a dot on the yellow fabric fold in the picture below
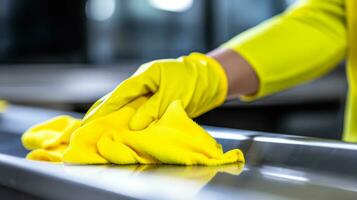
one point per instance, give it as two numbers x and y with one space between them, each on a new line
173 139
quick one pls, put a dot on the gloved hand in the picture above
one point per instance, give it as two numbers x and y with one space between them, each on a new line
174 139
197 80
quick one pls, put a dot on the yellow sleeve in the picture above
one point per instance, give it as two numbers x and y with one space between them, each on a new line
301 44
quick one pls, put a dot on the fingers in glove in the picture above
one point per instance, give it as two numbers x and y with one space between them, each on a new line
126 92
146 113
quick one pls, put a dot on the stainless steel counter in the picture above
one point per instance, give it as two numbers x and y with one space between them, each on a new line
278 167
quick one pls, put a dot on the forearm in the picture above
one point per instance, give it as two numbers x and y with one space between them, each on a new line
300 45
242 79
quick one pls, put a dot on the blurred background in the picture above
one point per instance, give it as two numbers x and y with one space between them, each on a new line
66 54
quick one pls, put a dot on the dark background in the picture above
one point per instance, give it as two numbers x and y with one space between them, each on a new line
45 45
40 31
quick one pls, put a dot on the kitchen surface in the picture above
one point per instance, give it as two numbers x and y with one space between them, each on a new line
58 58
277 167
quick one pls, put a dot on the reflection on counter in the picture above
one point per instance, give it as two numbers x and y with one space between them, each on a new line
187 181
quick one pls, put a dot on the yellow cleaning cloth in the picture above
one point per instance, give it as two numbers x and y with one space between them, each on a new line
3 106
173 139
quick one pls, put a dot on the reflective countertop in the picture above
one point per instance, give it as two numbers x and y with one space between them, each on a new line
278 167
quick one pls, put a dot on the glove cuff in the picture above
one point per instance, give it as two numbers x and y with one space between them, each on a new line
221 74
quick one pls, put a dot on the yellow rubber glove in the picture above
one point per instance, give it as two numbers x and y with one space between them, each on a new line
197 80
173 139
